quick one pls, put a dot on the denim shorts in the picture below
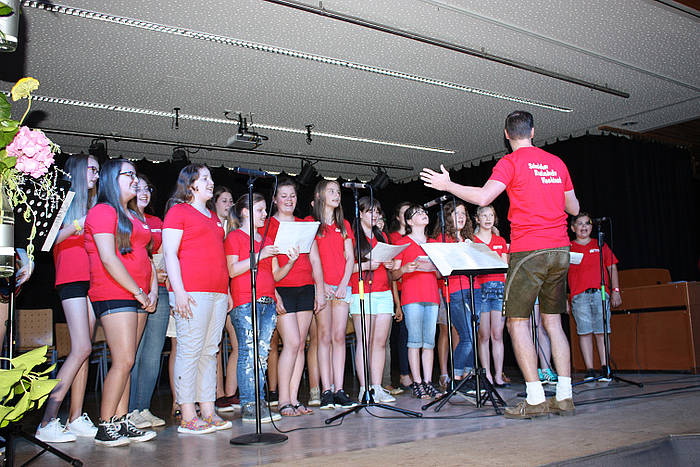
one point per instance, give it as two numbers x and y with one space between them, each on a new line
348 294
536 273
376 303
587 308
491 296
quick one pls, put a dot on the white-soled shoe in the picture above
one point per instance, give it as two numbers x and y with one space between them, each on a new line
136 419
82 426
381 395
54 432
155 421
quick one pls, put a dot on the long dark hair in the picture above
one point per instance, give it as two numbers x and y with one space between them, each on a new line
232 222
320 205
365 204
395 223
76 167
450 225
410 212
183 187
242 203
109 193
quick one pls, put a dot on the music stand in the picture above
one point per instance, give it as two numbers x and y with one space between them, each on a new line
471 260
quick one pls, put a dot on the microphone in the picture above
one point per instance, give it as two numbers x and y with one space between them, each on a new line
435 202
600 220
253 172
355 185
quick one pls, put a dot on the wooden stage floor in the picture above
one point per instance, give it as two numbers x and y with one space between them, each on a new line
610 415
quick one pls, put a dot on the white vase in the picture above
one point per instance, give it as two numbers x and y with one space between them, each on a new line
7 235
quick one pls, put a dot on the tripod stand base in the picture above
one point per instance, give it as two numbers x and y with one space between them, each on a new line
482 383
258 439
359 407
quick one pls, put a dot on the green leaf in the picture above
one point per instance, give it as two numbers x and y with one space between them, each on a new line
9 378
42 388
9 125
5 9
4 412
4 107
6 137
30 359
18 410
46 372
8 162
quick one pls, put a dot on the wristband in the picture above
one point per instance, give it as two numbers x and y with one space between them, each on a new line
616 289
76 224
140 292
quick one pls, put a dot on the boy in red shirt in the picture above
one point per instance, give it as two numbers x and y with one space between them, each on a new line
586 301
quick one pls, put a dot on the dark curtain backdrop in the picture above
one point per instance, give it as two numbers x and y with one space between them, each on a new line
647 189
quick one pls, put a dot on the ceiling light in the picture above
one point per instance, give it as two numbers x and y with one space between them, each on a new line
201 118
308 174
380 181
82 13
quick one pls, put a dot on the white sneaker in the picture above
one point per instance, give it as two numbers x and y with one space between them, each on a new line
82 426
155 421
382 395
54 432
361 394
137 420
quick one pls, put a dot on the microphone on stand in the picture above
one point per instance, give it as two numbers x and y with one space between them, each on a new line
253 172
435 202
600 220
355 185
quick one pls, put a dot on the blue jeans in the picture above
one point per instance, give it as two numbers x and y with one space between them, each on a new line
421 321
144 373
460 312
241 317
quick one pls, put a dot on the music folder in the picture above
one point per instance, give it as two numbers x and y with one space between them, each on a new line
464 258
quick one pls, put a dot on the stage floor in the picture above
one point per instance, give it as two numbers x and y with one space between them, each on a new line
609 415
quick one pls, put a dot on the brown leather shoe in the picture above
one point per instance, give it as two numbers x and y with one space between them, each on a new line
564 408
524 410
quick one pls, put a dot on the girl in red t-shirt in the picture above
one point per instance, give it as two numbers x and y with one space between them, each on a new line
492 319
237 248
222 204
193 245
419 300
123 283
335 247
299 286
72 283
378 302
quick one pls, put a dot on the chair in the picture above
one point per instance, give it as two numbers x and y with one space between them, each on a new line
35 329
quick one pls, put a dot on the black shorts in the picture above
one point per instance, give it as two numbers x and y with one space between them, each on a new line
297 298
77 289
107 307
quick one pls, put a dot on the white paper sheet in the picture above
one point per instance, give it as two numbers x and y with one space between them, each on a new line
575 258
384 252
58 221
449 257
296 234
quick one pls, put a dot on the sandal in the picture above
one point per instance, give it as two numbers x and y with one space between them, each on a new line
417 391
302 409
444 382
288 410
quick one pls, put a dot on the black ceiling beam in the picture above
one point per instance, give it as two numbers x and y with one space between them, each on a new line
446 45
209 147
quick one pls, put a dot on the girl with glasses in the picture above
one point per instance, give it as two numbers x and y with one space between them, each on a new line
123 287
72 284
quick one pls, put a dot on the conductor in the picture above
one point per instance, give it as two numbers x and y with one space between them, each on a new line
541 194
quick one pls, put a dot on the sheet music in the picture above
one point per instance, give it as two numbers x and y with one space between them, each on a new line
56 226
425 264
449 257
296 234
575 258
384 252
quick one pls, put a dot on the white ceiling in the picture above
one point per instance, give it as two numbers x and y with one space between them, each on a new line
644 48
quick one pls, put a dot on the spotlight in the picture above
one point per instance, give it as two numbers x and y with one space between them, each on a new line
381 180
180 155
98 149
308 174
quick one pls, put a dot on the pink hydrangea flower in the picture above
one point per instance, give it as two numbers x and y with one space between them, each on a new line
32 150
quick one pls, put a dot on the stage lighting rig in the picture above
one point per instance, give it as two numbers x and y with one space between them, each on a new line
245 138
381 180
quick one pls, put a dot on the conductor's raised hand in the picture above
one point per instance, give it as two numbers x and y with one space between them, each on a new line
437 180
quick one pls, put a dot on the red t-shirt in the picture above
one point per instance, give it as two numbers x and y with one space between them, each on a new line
201 253
156 226
331 248
454 283
238 243
586 275
499 245
301 272
418 286
379 278
536 182
103 219
71 260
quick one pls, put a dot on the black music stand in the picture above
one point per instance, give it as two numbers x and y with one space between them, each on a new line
471 260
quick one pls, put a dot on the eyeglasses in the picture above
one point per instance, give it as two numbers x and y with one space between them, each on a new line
129 173
93 170
416 211
146 189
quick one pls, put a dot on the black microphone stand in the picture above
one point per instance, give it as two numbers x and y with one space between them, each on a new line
368 397
610 375
258 438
